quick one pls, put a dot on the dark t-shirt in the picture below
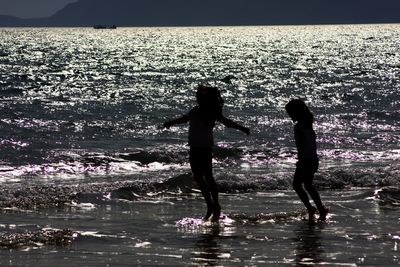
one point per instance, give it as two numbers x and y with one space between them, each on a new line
200 129
305 141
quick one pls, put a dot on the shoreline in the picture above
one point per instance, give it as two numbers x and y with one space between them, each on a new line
263 227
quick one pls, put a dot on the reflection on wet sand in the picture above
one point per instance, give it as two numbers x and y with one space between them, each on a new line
308 243
208 250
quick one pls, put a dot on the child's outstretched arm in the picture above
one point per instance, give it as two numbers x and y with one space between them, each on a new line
183 119
231 124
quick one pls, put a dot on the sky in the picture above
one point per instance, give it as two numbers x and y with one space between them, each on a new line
198 12
32 8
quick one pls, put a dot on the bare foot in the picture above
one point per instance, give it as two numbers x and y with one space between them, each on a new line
322 214
311 213
208 214
216 214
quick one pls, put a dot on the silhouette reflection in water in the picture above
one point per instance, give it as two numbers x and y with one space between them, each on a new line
308 244
208 249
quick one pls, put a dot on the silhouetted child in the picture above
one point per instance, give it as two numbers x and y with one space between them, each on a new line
202 120
307 164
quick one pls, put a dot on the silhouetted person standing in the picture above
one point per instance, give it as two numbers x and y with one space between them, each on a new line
307 164
202 120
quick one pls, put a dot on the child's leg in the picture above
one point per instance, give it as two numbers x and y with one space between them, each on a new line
298 187
308 185
298 180
206 194
212 185
314 194
198 162
300 175
317 200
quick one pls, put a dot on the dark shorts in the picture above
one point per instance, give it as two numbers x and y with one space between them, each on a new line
200 159
305 170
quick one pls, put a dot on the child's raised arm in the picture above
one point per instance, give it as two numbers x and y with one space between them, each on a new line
231 124
183 119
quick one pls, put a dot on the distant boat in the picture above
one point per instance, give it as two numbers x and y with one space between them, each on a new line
109 27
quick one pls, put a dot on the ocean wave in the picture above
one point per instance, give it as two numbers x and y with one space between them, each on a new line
49 237
361 176
231 182
72 164
261 218
36 197
82 196
388 196
88 195
147 157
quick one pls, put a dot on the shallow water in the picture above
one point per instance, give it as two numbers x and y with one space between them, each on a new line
264 228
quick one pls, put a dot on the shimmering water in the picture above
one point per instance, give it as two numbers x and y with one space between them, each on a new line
361 231
81 118
72 96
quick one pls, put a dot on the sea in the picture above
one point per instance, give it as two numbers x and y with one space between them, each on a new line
89 177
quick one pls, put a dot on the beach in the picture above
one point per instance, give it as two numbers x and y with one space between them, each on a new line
256 229
88 175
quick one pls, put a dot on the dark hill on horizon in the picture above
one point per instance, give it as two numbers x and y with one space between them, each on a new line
216 12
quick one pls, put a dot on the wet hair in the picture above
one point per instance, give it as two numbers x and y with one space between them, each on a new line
210 101
299 111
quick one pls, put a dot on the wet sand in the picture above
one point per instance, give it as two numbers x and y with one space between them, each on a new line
262 229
